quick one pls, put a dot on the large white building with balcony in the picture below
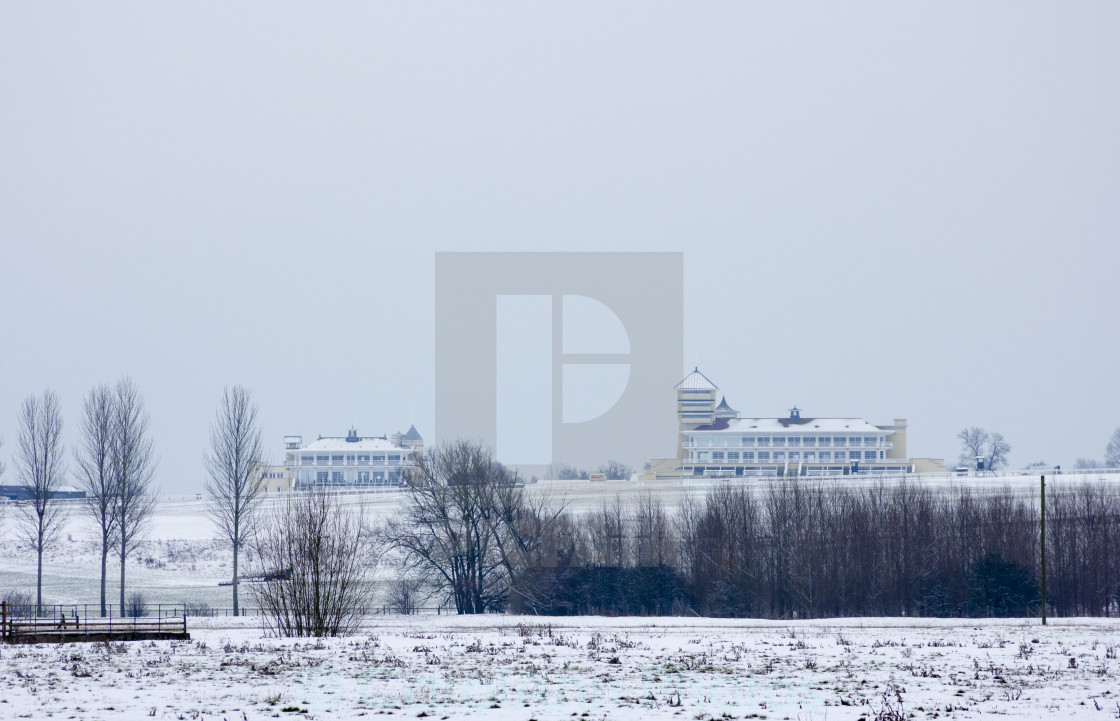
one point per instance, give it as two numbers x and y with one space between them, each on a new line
714 440
351 461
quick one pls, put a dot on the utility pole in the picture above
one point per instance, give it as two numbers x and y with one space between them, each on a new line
1042 541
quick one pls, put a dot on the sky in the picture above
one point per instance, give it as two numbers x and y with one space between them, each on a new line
887 210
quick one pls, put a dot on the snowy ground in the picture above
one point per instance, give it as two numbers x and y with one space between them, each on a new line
585 668
525 668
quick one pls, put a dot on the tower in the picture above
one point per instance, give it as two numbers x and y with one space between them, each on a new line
696 406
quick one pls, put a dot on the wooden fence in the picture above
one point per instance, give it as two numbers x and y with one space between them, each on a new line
77 628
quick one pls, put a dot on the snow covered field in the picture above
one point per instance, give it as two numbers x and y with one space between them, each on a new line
597 668
183 562
542 668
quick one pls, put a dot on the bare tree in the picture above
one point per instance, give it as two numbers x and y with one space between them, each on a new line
565 472
94 458
973 441
41 467
998 448
616 471
1112 450
313 555
449 525
404 592
233 462
134 463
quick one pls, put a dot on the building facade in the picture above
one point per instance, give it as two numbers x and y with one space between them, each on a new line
715 441
351 461
275 479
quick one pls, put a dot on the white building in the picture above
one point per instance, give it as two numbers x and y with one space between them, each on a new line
349 461
715 441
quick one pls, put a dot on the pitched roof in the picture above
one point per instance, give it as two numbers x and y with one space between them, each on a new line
412 435
811 425
341 444
696 381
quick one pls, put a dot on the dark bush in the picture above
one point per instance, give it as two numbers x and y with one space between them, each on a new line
1001 589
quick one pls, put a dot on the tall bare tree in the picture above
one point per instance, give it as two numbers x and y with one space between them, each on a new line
133 462
94 458
41 467
233 463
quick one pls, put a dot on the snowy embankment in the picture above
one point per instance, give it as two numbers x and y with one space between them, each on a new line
550 668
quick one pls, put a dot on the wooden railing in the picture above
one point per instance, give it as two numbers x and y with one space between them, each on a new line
11 629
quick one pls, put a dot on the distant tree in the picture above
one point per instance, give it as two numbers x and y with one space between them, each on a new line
404 592
134 464
1086 464
973 441
998 448
979 443
233 463
616 471
565 472
41 468
94 458
1112 450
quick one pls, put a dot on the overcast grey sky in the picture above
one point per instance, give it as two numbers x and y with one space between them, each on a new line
886 209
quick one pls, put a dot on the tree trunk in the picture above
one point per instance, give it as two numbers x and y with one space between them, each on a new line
235 554
104 573
122 584
39 584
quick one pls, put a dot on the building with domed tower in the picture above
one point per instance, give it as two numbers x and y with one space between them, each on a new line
715 441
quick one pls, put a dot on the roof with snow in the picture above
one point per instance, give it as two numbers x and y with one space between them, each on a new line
696 381
779 425
376 443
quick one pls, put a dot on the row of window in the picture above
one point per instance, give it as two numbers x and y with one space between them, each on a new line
347 460
783 456
788 441
349 477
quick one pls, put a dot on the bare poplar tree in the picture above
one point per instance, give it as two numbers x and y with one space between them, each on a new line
233 462
41 467
134 464
94 458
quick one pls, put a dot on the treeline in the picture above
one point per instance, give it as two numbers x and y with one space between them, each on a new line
786 549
